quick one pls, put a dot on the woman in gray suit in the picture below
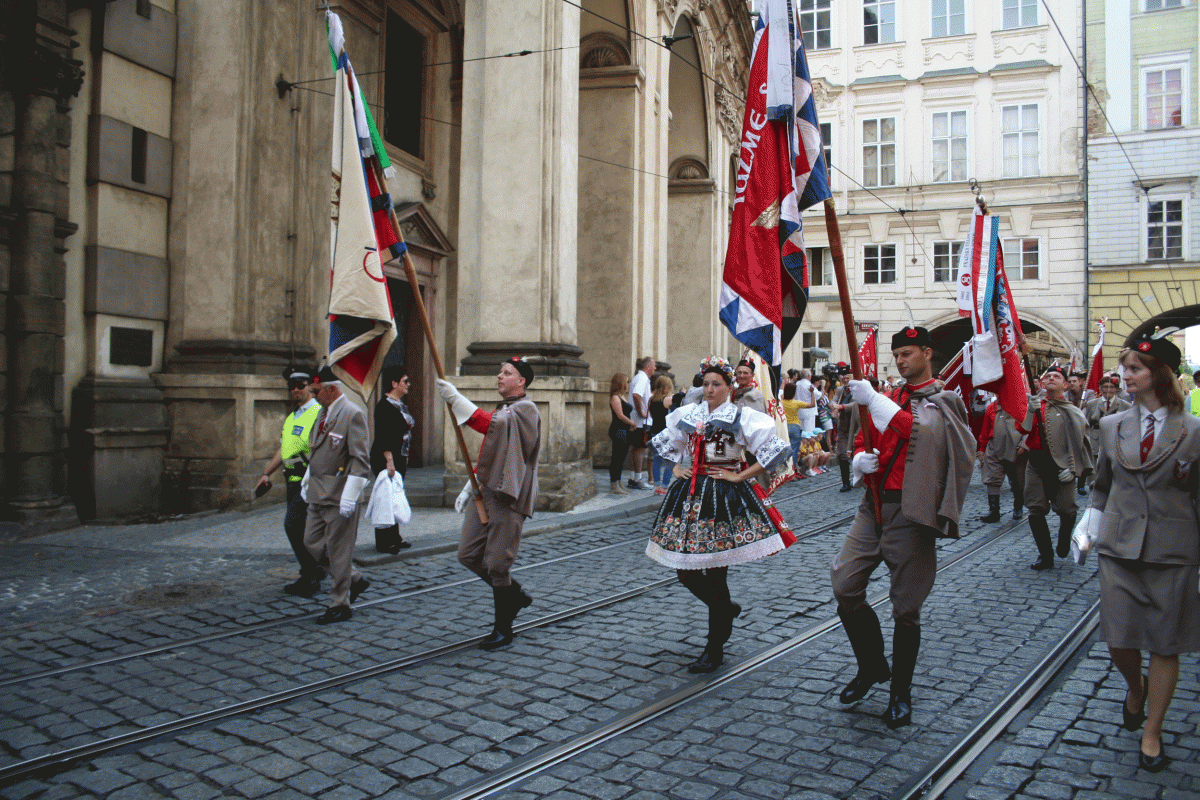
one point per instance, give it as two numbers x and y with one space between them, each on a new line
1142 520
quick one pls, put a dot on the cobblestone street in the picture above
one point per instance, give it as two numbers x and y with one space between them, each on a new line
606 642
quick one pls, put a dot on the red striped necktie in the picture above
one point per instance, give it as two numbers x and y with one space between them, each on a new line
1148 437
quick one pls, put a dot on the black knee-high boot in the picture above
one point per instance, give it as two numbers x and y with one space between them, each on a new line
508 600
993 514
1066 525
1041 537
906 642
844 465
866 639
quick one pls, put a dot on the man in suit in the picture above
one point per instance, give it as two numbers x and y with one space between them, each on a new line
923 451
1059 453
507 472
338 470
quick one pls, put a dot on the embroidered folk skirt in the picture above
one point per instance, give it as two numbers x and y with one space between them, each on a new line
725 523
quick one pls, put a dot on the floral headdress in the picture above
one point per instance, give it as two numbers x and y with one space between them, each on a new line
716 362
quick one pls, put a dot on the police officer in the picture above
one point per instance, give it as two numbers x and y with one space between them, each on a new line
922 489
293 456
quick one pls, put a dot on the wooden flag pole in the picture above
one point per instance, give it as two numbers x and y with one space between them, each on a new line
839 270
411 274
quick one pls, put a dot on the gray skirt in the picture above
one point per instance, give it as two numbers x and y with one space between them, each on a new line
1153 607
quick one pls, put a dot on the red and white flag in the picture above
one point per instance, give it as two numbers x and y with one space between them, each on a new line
957 374
868 355
1093 381
995 347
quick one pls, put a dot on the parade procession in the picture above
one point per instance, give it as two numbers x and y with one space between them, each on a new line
309 314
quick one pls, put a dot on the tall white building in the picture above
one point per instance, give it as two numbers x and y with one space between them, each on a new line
916 98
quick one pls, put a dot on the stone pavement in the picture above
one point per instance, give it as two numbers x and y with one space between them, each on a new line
422 731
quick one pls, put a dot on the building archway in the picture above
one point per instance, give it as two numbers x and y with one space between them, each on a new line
1048 342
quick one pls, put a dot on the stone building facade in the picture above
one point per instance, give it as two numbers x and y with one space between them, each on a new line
569 204
1143 145
915 101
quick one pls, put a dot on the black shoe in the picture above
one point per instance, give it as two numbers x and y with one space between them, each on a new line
709 660
861 685
1132 720
358 587
1018 513
303 587
845 487
335 614
1153 763
1081 492
993 514
1042 564
396 547
898 713
495 640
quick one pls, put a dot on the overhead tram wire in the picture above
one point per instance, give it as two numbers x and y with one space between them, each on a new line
514 54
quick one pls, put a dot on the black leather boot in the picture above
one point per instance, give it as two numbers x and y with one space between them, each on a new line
993 509
845 468
1041 537
721 613
866 638
906 642
1066 525
1018 506
509 600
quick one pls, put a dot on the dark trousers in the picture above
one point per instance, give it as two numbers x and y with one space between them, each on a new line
620 449
294 520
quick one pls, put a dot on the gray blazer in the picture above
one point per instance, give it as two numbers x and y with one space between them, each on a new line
1149 509
342 448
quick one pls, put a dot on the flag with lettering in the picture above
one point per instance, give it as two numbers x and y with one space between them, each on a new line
361 324
996 364
780 172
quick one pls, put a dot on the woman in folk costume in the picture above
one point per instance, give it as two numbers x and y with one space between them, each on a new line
714 515
1142 523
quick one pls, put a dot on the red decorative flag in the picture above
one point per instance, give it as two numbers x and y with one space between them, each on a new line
1093 381
868 356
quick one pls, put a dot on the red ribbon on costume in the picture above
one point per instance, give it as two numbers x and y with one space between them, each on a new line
698 449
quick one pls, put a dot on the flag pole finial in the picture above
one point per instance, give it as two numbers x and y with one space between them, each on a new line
974 186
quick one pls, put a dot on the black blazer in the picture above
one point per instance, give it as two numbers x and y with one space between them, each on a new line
390 429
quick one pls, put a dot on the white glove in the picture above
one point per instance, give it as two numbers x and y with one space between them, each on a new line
864 464
1087 530
460 407
464 497
880 407
304 484
351 491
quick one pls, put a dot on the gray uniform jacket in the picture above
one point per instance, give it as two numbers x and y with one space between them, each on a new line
1065 439
1149 509
342 448
1005 437
1097 409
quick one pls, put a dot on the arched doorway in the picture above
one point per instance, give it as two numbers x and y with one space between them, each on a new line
1046 345
1187 320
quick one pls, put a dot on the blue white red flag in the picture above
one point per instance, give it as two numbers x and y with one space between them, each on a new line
361 324
995 347
764 289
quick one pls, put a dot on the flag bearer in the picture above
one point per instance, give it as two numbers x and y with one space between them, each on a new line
1059 453
507 472
923 454
293 456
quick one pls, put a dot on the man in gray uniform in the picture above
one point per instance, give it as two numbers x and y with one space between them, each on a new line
923 451
337 472
507 472
999 442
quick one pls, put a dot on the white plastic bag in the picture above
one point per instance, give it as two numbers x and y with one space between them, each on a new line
388 505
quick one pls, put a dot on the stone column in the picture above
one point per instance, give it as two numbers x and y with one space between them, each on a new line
40 78
517 224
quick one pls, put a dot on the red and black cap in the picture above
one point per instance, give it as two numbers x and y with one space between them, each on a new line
522 366
1061 370
326 375
911 335
1163 349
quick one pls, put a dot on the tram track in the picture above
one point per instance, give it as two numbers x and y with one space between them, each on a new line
540 762
52 763
257 627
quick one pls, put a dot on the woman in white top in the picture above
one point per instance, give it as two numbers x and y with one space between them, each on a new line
714 515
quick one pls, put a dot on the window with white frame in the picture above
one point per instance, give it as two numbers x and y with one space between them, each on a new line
879 21
1159 5
827 147
949 146
1019 140
1164 229
820 267
814 22
811 339
1164 95
1022 259
945 261
879 263
949 17
879 151
1020 13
